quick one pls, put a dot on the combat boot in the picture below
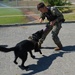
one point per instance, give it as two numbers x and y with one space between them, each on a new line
58 48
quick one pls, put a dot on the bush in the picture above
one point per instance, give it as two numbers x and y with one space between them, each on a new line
58 3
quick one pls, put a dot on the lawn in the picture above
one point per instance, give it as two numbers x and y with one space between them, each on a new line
10 20
69 17
22 19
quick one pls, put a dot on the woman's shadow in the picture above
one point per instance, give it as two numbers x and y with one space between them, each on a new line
44 62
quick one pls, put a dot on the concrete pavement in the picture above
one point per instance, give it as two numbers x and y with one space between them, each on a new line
51 63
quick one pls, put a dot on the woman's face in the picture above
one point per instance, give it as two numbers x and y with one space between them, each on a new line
43 9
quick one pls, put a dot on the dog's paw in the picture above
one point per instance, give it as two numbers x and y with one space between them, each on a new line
33 56
15 62
24 67
40 52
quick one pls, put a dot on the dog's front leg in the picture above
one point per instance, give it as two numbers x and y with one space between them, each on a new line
37 49
31 54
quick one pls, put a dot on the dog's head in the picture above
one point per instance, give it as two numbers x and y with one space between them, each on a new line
37 35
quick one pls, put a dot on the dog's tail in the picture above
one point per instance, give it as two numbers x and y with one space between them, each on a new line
3 49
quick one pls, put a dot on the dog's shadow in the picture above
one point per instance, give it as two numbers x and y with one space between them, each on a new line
4 45
45 62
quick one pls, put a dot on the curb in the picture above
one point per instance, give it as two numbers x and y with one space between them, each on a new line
29 24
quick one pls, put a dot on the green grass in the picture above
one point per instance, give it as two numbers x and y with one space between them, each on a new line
69 17
22 19
11 20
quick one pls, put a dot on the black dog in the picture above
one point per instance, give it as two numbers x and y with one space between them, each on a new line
21 49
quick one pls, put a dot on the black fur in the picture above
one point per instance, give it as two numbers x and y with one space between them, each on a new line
21 49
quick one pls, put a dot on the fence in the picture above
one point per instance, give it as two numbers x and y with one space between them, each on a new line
23 12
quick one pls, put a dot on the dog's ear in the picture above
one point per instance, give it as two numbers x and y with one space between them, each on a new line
30 37
42 30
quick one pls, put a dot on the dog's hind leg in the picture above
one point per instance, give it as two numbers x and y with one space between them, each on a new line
24 58
15 61
24 67
16 56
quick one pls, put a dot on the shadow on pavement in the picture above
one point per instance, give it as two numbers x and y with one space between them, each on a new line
70 48
47 47
65 48
45 62
4 45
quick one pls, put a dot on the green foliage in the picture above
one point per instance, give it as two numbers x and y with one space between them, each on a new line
5 0
56 2
13 19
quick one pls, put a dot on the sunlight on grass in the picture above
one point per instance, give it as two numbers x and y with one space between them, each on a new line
69 17
10 20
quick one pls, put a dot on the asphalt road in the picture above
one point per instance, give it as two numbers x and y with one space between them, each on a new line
50 63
